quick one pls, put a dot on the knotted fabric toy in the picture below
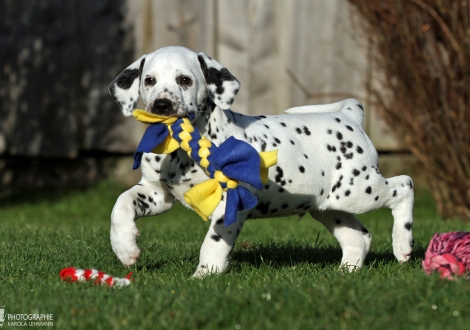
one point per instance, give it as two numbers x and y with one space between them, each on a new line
232 162
72 274
448 254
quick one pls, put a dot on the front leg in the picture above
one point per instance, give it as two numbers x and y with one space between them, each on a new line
144 199
218 244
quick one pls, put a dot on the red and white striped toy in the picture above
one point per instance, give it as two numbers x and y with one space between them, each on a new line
72 274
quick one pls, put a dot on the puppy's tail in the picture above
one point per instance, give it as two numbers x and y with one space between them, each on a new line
350 107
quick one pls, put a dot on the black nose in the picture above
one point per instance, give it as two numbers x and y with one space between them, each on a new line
162 106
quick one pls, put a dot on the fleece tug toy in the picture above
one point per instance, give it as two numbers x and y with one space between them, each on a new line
72 274
232 162
448 254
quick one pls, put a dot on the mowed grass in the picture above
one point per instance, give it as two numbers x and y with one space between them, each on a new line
284 273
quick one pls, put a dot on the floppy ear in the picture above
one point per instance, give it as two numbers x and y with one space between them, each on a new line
125 88
221 84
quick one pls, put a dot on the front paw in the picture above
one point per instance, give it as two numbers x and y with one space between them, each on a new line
125 246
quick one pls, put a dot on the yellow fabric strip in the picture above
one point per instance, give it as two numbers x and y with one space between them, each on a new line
204 197
150 118
267 159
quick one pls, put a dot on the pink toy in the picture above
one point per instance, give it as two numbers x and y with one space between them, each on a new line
72 274
448 254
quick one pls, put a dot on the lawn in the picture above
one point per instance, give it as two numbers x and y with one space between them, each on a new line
284 273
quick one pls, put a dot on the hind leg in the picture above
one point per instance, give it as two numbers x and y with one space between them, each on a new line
376 192
400 200
352 236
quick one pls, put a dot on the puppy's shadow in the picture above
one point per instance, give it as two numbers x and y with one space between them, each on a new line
288 254
280 255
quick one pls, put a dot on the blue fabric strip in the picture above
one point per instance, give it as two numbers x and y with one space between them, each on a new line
153 136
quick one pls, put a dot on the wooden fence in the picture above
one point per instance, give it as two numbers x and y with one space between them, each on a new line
58 58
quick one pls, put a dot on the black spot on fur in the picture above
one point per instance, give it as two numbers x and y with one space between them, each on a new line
329 131
126 78
279 175
215 76
306 130
277 140
369 190
355 172
292 142
347 193
376 198
394 193
216 237
301 169
408 226
298 130
321 192
283 124
263 145
338 165
263 207
339 136
359 150
338 120
350 128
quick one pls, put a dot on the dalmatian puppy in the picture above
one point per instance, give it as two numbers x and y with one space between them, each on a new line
327 166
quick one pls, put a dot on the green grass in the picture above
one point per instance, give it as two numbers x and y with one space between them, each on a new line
284 273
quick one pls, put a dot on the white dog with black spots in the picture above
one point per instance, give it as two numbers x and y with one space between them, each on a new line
327 166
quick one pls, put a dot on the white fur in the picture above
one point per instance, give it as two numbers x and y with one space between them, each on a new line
327 165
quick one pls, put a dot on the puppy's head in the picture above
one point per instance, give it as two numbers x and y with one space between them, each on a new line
174 81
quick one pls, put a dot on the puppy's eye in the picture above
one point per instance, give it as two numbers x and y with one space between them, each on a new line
185 81
149 81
